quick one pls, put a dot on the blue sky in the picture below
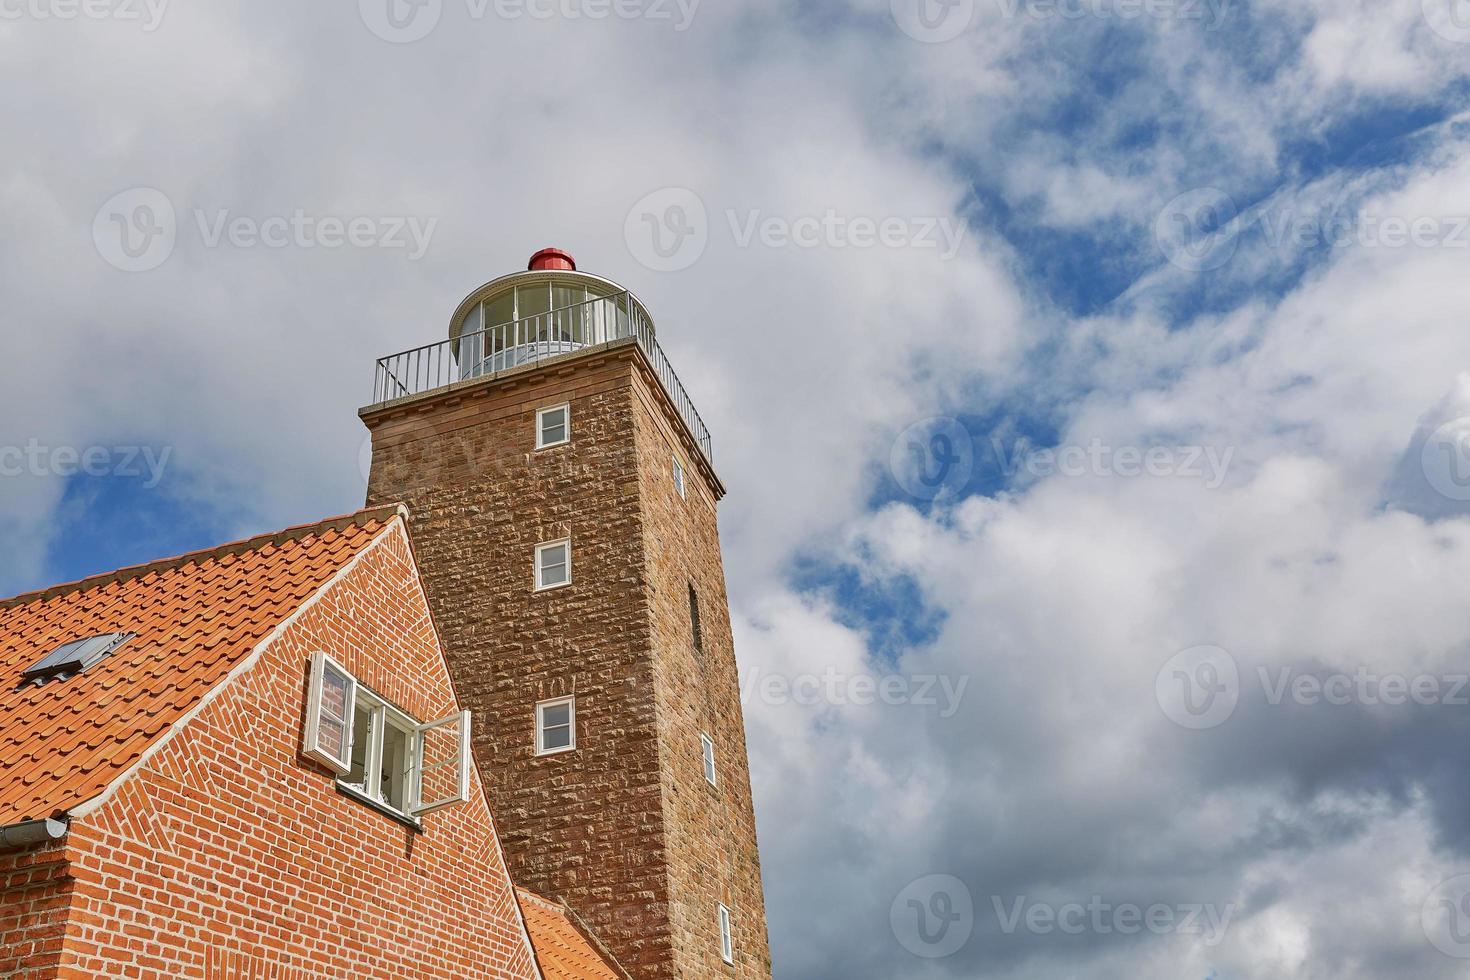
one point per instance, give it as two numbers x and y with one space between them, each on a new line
1185 401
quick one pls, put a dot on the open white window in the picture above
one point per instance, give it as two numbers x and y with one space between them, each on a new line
556 726
443 770
330 704
379 752
679 478
553 426
707 747
727 937
553 564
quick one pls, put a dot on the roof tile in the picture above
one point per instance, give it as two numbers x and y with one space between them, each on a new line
564 949
195 616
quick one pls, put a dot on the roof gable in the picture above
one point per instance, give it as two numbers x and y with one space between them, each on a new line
196 618
565 949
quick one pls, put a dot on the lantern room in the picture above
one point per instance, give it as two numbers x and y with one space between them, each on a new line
549 309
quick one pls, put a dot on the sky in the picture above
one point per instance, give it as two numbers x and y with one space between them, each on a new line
1089 377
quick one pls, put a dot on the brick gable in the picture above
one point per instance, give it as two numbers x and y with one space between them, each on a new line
227 853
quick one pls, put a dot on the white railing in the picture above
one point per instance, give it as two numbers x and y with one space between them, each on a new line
531 339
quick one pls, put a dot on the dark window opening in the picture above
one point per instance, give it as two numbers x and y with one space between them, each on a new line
695 629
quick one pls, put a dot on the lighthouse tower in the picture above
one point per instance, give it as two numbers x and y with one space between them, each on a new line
563 494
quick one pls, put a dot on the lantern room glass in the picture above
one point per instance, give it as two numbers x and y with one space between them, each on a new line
535 320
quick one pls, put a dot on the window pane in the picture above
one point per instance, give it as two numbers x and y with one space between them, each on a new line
470 345
553 426
532 305
556 715
393 786
362 734
334 695
566 302
332 720
556 738
500 310
553 562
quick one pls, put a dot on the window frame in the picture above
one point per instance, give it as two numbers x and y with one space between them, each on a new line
383 713
570 701
707 760
541 413
680 481
321 662
727 934
465 760
537 581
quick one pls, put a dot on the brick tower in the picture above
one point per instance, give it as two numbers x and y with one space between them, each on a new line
563 512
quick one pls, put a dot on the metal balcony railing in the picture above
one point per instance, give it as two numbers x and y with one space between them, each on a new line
532 339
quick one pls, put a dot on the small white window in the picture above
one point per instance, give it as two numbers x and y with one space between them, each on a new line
380 753
556 726
553 426
553 564
330 713
679 478
707 745
727 938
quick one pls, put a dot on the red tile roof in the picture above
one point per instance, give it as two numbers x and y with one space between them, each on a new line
196 617
564 947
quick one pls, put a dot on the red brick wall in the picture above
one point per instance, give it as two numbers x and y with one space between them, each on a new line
710 830
35 890
624 830
585 827
229 854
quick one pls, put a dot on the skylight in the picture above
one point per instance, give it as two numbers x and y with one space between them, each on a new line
74 657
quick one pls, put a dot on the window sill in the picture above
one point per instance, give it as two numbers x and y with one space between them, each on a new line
551 588
554 445
412 823
546 752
